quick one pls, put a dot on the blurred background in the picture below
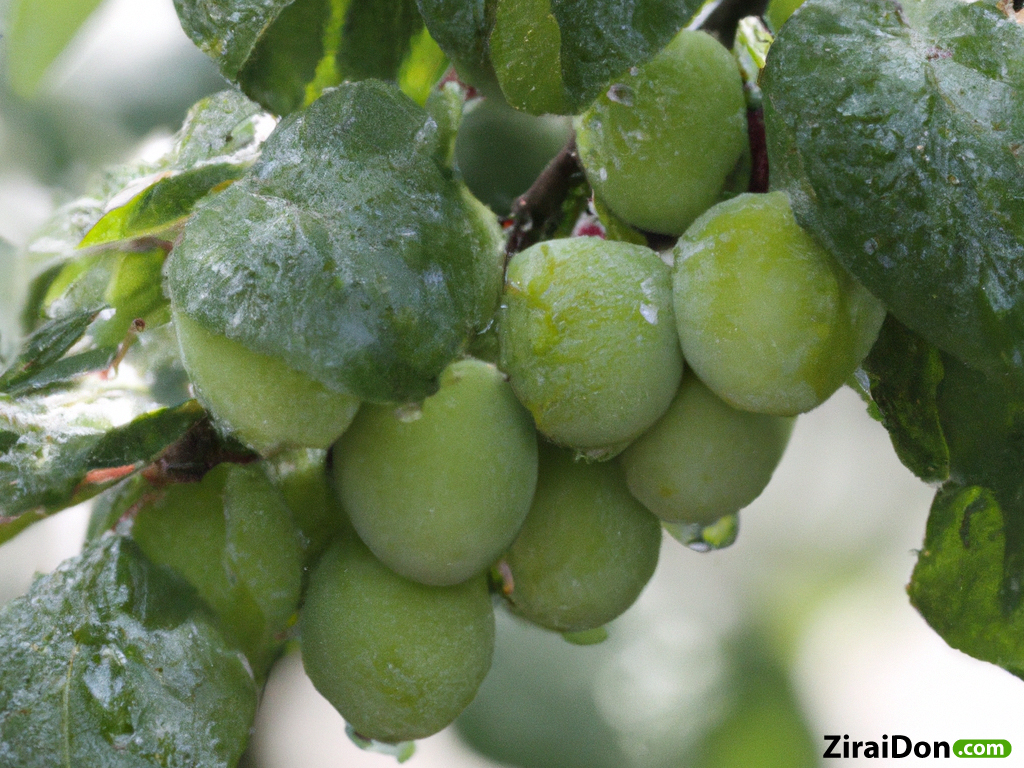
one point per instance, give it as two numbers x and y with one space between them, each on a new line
743 657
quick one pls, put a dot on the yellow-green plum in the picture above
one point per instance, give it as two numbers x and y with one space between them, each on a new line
438 491
258 398
767 318
587 548
662 141
588 340
398 659
233 538
704 459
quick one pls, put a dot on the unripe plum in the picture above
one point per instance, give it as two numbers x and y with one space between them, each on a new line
398 659
767 318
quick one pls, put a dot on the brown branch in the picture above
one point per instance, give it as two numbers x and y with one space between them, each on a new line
537 209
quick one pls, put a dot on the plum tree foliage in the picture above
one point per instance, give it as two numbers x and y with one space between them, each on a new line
413 350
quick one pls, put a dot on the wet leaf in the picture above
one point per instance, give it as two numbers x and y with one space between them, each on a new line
594 41
905 372
63 449
219 140
110 661
958 583
284 53
354 208
897 130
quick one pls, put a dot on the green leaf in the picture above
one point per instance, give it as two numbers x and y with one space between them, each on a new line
62 449
376 38
284 53
905 372
601 39
110 661
897 130
35 34
531 80
44 348
219 140
286 57
353 208
552 55
462 29
957 584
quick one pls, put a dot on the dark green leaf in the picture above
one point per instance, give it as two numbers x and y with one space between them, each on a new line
228 31
286 57
376 38
905 371
958 583
353 208
45 347
897 131
284 53
109 661
552 55
601 39
59 460
462 29
35 33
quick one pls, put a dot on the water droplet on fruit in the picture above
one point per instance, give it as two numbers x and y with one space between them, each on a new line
401 751
706 538
621 94
650 313
409 413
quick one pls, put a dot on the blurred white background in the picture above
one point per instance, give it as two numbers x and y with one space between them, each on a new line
816 578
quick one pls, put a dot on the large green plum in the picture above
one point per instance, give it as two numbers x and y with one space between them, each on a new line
587 547
232 537
500 151
767 318
438 492
659 145
257 397
704 459
398 659
587 339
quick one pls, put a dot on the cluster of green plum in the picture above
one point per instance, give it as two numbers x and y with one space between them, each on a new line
630 389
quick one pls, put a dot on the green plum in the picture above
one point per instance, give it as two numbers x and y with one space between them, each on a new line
588 340
398 659
439 491
232 537
664 139
301 476
704 459
587 547
767 318
500 151
257 397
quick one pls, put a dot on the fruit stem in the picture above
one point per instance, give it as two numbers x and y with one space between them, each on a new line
540 206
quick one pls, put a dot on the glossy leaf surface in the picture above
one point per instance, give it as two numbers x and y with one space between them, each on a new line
897 131
352 207
109 661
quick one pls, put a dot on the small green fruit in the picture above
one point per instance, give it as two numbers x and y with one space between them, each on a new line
399 660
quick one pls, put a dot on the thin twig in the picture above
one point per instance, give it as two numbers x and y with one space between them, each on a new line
535 210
